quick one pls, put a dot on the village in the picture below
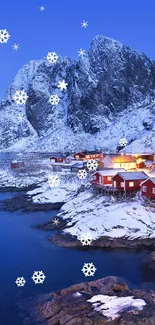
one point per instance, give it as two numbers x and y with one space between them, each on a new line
120 175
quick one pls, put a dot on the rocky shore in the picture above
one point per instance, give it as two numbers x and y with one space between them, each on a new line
107 301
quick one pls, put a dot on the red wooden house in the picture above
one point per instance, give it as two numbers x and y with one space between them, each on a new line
88 155
17 164
58 158
104 177
129 181
148 188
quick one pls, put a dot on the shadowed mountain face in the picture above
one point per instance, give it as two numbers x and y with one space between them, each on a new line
109 96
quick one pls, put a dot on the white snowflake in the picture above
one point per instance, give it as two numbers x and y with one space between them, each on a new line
82 174
52 57
84 24
38 277
123 142
4 36
20 282
81 53
56 222
62 84
42 8
92 164
20 97
15 47
20 117
85 239
54 180
54 99
88 269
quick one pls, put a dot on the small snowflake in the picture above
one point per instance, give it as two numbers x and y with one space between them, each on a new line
54 180
15 47
153 101
85 239
20 282
56 222
92 164
54 99
88 269
20 97
123 142
52 57
62 85
84 24
42 8
38 277
82 174
81 53
20 117
4 36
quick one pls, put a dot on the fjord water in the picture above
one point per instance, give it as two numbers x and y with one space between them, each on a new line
24 249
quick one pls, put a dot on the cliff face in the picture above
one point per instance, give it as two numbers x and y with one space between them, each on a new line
109 96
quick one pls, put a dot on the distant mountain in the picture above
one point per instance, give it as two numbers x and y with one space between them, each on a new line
109 96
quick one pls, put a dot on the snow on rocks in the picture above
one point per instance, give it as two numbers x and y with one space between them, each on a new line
100 218
10 180
113 306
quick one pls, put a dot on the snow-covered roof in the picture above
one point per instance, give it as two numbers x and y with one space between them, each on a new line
152 179
133 175
109 172
79 164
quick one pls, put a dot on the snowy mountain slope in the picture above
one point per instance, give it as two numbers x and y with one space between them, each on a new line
109 96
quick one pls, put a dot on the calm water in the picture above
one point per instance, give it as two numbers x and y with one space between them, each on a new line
24 250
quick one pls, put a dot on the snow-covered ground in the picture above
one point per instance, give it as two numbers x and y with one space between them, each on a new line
113 306
10 179
94 215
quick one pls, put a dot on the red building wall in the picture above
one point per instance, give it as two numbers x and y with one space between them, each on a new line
119 179
149 186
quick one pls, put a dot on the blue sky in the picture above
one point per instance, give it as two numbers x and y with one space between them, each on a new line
58 29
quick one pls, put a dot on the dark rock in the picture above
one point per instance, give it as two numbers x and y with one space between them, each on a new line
150 261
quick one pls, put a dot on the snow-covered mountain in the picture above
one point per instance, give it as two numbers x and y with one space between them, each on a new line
109 96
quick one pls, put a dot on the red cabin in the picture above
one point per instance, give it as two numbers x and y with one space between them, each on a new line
129 181
58 159
104 177
148 188
88 155
17 164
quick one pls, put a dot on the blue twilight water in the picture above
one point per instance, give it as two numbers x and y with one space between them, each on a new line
24 250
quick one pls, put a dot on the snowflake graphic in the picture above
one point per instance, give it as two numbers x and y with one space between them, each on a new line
15 47
81 53
62 85
38 277
85 239
42 8
82 174
123 142
88 269
20 282
54 180
84 24
92 164
54 99
56 222
4 36
20 97
52 57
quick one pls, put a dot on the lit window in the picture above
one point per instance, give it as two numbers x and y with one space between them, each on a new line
122 184
131 184
109 178
153 190
77 156
88 157
144 188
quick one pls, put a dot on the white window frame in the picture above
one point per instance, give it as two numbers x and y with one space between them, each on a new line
131 184
115 184
153 190
122 184
144 188
109 178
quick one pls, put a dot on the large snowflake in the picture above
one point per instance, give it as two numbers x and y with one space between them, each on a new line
4 36
82 174
52 57
85 239
88 269
20 97
92 164
123 142
54 99
38 277
54 180
20 281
